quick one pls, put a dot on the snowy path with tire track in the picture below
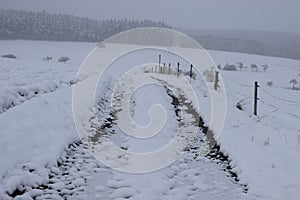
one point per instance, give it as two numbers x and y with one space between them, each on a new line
78 175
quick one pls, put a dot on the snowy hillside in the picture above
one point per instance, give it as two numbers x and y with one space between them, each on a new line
41 155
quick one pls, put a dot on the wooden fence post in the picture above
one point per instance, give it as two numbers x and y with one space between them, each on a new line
191 71
216 80
178 69
159 60
255 97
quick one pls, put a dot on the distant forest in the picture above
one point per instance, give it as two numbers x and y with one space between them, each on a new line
29 25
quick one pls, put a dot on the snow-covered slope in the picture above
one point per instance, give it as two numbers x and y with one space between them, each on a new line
35 108
36 125
264 148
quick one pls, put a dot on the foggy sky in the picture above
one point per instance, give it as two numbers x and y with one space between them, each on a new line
270 15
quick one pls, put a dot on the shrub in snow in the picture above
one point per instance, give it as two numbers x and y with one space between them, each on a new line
265 67
270 83
9 56
47 58
254 67
63 59
229 67
267 142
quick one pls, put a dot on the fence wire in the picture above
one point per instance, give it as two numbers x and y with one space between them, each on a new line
279 98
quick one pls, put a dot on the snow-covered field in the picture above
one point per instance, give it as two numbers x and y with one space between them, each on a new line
37 126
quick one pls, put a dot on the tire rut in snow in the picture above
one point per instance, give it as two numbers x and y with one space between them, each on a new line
193 176
214 152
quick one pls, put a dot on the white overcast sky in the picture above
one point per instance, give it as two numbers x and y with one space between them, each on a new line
271 15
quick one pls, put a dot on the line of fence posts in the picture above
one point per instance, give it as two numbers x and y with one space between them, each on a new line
162 70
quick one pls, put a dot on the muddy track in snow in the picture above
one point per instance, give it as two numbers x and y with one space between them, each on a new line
213 148
214 152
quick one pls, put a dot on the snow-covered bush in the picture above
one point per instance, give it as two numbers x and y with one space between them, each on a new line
254 67
47 58
12 56
265 67
63 59
229 67
270 83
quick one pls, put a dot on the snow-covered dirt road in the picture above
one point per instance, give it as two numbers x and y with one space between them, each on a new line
199 173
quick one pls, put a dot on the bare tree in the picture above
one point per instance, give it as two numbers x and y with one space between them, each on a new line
293 82
240 65
265 67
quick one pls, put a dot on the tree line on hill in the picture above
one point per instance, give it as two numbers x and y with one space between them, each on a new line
29 25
